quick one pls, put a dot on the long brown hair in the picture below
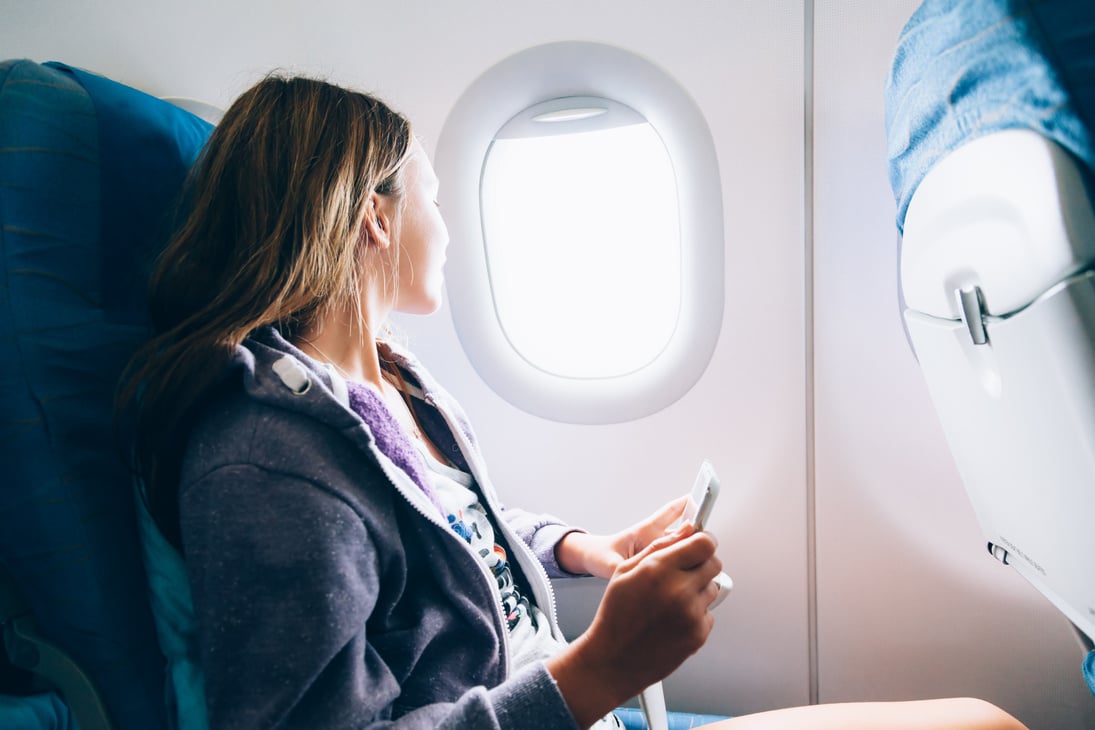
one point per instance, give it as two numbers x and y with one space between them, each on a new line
275 210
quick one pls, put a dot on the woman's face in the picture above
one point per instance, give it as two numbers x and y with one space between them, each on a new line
421 239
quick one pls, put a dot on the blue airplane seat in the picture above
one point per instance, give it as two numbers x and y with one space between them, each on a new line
89 173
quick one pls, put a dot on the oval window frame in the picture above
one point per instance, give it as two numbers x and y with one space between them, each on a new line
518 83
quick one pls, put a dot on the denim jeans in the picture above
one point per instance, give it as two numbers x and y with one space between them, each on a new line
967 68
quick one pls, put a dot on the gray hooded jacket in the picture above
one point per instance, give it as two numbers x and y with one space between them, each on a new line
328 590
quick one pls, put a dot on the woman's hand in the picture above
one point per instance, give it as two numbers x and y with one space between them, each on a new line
599 555
653 616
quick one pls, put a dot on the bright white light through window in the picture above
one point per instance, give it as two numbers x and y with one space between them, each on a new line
582 237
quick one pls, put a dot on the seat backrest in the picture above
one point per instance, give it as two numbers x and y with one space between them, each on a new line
89 175
998 274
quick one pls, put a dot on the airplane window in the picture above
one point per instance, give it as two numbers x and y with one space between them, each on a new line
582 236
585 272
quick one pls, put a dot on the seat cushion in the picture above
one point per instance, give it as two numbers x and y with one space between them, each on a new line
43 711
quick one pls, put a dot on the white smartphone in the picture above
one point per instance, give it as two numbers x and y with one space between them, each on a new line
701 500
705 490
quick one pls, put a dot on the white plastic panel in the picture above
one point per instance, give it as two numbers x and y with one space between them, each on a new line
1019 416
1007 214
745 411
910 604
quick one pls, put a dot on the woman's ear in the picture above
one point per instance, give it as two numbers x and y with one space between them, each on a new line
378 221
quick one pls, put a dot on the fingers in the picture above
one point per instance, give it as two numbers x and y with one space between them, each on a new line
685 549
672 580
692 551
664 541
663 519
656 546
687 552
710 593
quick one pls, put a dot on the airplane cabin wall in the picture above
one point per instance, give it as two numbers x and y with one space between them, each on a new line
908 604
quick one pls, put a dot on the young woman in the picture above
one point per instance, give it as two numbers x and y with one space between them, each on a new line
350 562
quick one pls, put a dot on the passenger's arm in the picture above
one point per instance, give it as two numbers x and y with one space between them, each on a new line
568 551
542 533
599 555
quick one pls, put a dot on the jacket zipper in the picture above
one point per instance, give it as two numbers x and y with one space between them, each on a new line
396 475
544 593
524 555
434 517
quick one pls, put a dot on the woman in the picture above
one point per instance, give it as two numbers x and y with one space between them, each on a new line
349 560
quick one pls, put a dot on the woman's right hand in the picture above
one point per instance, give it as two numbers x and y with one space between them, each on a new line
653 616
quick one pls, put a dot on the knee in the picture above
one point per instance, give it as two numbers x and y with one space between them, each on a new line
978 714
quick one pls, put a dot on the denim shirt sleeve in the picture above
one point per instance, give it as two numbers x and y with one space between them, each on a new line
967 68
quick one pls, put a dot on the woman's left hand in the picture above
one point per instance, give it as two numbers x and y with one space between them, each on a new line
580 552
